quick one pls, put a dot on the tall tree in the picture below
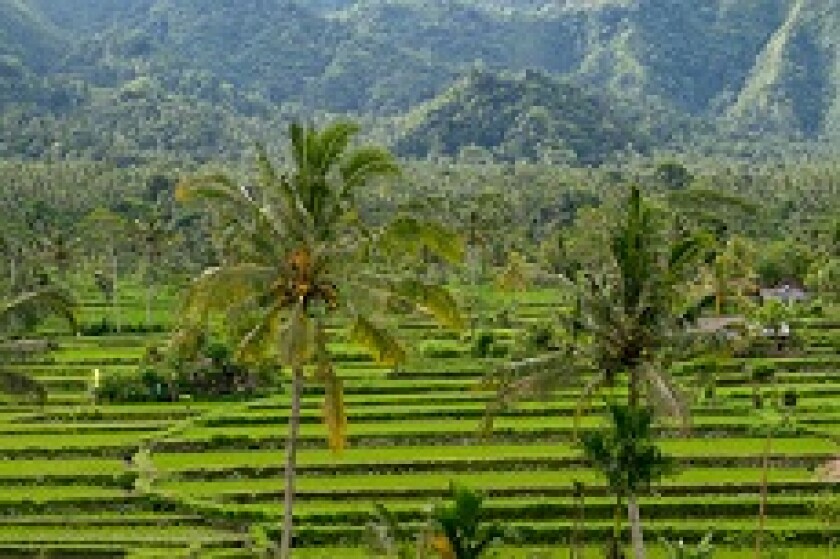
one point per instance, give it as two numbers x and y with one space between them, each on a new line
629 322
155 235
106 232
302 253
731 275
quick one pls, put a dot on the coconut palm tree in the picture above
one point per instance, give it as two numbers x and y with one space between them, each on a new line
298 253
731 275
18 316
629 322
155 234
105 232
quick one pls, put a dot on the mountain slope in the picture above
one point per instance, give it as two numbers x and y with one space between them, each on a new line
660 67
794 86
75 17
27 40
529 116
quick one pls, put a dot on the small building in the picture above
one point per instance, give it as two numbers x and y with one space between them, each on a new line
785 293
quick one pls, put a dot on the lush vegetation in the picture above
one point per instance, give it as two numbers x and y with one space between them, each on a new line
567 284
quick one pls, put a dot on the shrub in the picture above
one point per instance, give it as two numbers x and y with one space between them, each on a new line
541 337
161 378
482 344
499 350
104 327
790 398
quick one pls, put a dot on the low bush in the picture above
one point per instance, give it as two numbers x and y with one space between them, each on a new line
210 374
541 337
482 344
104 328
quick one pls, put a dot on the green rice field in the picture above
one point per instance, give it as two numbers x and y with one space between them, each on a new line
67 490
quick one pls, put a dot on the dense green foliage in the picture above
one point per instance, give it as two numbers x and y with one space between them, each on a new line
532 117
150 76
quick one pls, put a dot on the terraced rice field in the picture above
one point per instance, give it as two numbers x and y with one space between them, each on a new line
217 467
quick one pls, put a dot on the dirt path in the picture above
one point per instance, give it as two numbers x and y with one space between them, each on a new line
830 471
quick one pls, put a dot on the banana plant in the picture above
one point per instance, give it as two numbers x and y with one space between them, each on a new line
461 528
298 253
630 460
680 550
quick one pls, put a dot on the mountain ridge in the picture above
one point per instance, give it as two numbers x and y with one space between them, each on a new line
749 68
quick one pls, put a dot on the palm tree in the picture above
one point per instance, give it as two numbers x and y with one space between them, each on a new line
155 234
630 460
299 252
18 316
105 231
11 253
731 275
630 319
57 250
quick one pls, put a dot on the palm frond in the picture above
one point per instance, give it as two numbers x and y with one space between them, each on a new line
335 415
26 311
217 289
384 347
431 299
364 164
598 381
258 344
665 395
528 378
409 232
215 187
332 143
297 134
297 338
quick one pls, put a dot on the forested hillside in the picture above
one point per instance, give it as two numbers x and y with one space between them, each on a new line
719 69
525 117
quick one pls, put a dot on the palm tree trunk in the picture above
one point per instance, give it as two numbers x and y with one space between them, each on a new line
13 274
149 304
115 301
576 551
762 503
291 461
617 523
633 388
635 526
